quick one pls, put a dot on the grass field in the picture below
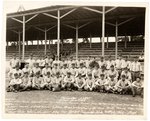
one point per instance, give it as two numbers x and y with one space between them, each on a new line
64 102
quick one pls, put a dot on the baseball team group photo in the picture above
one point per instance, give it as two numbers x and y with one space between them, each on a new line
67 59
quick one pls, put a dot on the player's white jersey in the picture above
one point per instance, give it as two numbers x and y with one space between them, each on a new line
118 63
73 71
127 74
112 73
31 62
14 62
26 70
35 70
102 63
136 66
45 70
13 71
96 73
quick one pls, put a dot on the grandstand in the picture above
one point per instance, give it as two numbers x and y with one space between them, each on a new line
64 22
132 50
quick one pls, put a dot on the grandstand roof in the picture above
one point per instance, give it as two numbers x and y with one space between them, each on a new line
132 19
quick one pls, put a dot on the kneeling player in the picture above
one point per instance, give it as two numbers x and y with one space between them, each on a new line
79 82
110 84
100 83
56 82
14 85
90 83
68 82
37 81
26 82
137 87
123 85
47 81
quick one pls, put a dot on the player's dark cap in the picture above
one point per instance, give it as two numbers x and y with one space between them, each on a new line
81 64
102 57
73 64
123 76
57 73
89 74
102 75
65 64
111 76
16 74
46 63
68 72
103 67
37 73
138 77
125 68
55 64
26 72
112 66
48 73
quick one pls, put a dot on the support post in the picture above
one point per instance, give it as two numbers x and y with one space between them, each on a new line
125 42
19 37
90 41
103 30
116 50
77 28
58 33
45 41
107 41
37 44
49 43
23 39
6 45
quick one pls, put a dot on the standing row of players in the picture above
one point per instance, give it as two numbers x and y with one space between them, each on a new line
117 76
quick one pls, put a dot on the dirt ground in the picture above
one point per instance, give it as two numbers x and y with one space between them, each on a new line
74 102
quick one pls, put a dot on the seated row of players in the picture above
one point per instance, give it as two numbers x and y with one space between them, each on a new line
58 78
120 64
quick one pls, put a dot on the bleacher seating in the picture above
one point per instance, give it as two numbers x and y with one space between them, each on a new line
133 49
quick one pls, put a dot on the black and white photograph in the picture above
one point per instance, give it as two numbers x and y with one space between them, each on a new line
75 59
